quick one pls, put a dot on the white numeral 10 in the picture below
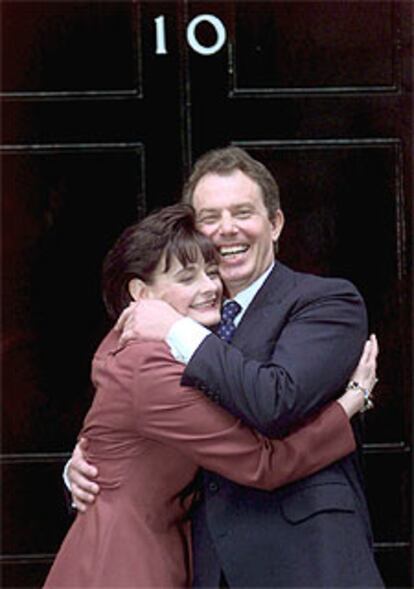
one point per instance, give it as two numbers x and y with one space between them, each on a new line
161 46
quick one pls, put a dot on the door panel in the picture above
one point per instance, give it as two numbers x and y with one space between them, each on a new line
66 222
73 49
297 47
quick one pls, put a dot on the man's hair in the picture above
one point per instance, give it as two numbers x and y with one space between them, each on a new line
227 160
170 231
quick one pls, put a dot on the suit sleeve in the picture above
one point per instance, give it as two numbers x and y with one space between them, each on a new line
308 363
183 418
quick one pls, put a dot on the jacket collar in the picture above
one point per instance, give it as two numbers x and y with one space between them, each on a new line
276 286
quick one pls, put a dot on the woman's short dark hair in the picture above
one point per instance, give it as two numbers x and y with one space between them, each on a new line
138 251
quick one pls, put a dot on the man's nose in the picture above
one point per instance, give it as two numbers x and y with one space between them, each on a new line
227 225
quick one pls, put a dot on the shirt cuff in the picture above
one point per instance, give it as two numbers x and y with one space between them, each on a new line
66 477
184 337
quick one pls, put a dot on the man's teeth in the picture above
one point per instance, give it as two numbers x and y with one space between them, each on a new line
232 249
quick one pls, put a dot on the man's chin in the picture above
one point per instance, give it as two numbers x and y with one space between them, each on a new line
235 276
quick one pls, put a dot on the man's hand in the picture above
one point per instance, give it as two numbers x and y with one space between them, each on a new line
146 319
81 476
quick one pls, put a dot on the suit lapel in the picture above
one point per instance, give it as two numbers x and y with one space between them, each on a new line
279 282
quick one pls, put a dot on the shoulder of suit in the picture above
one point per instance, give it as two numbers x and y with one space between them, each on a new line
306 283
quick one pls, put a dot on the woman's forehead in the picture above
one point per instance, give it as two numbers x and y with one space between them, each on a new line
188 257
175 266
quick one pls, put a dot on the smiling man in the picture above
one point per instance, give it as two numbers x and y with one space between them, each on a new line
231 211
296 341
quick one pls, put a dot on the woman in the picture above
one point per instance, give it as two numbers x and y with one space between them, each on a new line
148 435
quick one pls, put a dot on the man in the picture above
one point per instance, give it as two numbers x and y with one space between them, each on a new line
297 340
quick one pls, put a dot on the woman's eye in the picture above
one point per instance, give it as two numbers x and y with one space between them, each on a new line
186 278
213 273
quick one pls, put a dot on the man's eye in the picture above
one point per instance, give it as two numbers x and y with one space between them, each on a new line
243 213
207 219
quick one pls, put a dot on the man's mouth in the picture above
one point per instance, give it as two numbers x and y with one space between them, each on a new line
232 250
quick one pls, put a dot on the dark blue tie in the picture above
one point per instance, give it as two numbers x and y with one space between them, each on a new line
226 327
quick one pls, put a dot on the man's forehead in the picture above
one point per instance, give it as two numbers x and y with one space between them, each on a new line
235 189
211 178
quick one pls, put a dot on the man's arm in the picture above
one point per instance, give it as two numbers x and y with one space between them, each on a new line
160 423
182 418
310 361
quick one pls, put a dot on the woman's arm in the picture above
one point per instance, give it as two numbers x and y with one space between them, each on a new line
184 418
214 439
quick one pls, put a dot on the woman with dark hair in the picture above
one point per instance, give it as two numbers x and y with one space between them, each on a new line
148 435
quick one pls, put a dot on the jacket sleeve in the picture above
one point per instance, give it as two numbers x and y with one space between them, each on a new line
306 365
184 418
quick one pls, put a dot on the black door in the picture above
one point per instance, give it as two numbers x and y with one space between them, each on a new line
105 106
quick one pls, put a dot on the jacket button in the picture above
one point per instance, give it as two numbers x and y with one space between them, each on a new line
213 487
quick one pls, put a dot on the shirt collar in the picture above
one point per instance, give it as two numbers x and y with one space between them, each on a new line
245 297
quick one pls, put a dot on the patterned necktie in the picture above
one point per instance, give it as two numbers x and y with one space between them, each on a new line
226 327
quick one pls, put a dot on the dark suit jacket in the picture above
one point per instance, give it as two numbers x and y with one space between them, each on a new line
294 350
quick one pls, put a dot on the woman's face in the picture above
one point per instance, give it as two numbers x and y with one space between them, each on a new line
194 290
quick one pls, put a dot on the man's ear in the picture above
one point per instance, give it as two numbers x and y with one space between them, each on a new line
278 222
137 288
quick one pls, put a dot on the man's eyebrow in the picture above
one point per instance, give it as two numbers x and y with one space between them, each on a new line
209 210
236 207
243 205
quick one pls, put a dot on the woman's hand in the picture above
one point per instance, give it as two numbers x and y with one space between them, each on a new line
357 397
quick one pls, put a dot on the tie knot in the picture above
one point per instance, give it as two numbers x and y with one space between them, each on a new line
226 327
230 310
